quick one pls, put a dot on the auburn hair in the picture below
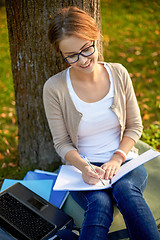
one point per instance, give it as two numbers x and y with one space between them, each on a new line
72 21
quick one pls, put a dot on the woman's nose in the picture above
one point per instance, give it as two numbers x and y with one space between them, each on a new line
82 59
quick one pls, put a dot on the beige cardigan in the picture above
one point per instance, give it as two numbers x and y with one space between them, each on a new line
63 117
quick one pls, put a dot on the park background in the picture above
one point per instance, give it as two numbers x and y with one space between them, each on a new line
131 36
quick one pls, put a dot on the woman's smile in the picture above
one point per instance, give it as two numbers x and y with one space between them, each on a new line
86 65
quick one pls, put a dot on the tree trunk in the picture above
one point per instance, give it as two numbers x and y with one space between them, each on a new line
33 62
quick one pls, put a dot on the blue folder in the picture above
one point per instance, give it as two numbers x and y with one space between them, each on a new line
40 187
57 198
40 175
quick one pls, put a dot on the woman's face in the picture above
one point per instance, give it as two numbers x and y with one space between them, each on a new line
73 45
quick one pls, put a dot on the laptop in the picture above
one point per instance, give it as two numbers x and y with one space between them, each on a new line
26 216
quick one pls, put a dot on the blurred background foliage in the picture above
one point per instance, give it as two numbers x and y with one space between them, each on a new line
131 36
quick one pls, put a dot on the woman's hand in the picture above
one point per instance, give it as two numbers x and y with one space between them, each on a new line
90 177
112 167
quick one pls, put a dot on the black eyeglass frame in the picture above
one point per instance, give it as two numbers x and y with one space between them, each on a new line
77 54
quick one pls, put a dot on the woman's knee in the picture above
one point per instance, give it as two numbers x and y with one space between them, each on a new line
135 181
101 201
128 197
125 192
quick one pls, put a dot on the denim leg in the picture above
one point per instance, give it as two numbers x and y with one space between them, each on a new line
128 195
98 206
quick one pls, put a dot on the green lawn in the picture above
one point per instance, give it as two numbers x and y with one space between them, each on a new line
131 36
8 123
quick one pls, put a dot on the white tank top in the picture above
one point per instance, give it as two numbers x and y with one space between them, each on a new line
99 128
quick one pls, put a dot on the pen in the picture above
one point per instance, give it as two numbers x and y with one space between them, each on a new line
85 158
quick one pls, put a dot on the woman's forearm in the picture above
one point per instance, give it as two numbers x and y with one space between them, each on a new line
75 159
126 144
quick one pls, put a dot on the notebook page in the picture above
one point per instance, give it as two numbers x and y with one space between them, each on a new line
69 178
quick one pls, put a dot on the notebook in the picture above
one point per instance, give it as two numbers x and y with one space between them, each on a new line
40 187
70 178
27 216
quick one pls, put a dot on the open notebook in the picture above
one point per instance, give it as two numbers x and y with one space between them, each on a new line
69 177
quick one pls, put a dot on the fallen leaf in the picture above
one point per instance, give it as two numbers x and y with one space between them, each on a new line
146 116
122 54
1 156
10 114
155 63
156 123
8 152
137 53
138 74
139 94
145 106
3 115
6 131
149 80
157 32
13 120
151 71
6 142
130 59
131 75
12 164
145 100
154 54
4 165
138 48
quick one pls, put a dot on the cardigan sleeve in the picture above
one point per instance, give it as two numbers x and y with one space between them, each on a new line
53 110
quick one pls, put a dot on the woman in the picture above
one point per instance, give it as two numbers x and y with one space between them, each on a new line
92 110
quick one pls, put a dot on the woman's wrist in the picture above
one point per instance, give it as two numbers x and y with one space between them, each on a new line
116 157
122 154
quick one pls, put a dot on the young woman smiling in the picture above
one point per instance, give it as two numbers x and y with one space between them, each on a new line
92 110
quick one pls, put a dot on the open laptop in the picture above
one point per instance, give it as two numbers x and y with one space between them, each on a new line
26 216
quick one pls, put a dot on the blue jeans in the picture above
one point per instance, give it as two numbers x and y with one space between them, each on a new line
127 194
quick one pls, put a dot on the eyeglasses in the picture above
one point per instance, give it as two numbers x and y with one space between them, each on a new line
86 52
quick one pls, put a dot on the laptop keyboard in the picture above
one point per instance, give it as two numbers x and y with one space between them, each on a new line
24 219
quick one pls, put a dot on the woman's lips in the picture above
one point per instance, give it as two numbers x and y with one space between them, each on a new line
87 65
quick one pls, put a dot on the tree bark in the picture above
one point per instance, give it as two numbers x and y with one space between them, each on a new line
33 62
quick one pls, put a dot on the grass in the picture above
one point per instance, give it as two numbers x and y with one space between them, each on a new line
131 36
8 123
131 32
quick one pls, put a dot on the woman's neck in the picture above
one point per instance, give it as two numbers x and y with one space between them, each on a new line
86 85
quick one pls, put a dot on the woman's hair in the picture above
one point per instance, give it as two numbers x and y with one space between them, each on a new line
72 21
